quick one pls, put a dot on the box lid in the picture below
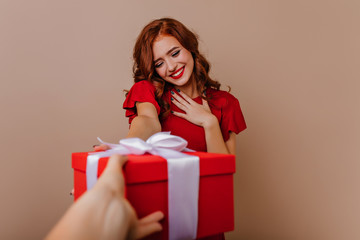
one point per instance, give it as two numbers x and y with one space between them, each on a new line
148 168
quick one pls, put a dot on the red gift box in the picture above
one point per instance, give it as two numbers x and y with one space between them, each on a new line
147 189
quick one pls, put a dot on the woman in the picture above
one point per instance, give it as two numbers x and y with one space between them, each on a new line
174 92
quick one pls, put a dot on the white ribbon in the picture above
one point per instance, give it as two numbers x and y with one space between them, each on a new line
183 177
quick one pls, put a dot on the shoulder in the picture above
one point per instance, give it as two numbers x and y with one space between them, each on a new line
143 84
142 91
221 98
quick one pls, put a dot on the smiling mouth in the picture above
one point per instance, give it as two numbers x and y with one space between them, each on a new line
178 74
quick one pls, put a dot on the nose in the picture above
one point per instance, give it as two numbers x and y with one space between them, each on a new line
171 65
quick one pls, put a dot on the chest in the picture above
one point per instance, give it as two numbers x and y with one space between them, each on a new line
195 135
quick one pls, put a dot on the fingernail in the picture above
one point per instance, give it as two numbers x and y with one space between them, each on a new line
172 99
71 193
172 111
95 145
178 90
172 92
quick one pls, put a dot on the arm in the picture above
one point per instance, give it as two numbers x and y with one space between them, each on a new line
214 139
146 123
201 115
104 213
231 143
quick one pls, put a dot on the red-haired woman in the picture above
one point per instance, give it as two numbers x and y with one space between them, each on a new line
174 92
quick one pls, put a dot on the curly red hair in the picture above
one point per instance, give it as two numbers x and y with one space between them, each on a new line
144 68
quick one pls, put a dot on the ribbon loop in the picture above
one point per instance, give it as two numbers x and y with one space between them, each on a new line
165 140
183 177
136 145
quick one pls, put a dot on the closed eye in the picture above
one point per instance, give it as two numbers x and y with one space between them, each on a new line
175 53
158 64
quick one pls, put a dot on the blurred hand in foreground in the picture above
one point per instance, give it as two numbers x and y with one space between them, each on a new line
104 213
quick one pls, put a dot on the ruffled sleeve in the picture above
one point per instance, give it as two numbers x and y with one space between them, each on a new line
142 91
232 119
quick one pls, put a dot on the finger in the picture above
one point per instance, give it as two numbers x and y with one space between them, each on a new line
115 163
186 97
178 114
150 226
180 99
206 104
101 147
148 229
112 177
179 105
153 217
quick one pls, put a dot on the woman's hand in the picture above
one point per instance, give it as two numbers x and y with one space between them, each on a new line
101 147
198 114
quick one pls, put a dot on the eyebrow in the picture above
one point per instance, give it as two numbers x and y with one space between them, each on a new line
168 52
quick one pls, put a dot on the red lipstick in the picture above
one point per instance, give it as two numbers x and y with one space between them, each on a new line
178 74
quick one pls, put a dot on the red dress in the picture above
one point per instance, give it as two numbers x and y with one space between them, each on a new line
222 104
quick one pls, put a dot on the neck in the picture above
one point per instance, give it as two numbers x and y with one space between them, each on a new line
189 88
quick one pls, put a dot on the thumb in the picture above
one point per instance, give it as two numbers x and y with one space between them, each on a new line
112 177
115 164
206 104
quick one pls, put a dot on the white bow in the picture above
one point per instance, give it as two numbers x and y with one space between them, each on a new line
183 177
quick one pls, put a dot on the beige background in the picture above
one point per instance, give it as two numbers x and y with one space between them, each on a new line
294 66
